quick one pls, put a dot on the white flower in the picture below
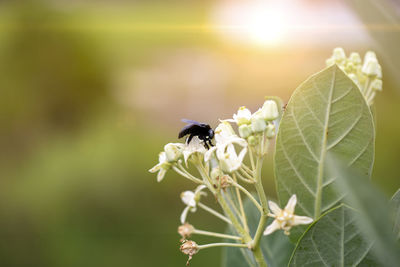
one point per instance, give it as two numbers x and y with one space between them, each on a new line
269 110
376 85
285 219
243 116
190 199
225 139
229 160
173 151
161 167
195 146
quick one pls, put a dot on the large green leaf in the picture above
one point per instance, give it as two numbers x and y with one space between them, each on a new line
373 218
325 113
276 247
333 240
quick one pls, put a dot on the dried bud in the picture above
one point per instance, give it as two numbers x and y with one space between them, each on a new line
185 230
224 181
189 248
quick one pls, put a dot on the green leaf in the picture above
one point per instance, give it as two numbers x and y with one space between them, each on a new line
373 219
333 240
325 113
276 247
395 201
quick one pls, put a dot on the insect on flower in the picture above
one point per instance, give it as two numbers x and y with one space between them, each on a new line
202 130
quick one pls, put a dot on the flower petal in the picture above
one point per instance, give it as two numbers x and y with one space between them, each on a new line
184 214
199 188
291 204
301 220
208 154
274 207
155 168
161 174
272 228
187 197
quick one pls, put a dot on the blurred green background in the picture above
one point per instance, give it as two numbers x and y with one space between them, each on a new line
92 90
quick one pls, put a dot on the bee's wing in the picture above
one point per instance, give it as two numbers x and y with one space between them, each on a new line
192 122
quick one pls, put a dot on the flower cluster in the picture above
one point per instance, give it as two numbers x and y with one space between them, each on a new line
367 75
221 169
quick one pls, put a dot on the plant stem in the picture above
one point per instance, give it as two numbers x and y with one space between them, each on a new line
201 232
242 232
263 199
222 245
239 197
213 212
259 257
238 186
186 174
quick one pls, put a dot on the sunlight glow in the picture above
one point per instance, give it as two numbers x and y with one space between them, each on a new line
259 23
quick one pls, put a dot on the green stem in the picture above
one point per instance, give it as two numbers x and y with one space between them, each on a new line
213 212
223 245
238 186
259 257
239 197
187 175
207 233
264 204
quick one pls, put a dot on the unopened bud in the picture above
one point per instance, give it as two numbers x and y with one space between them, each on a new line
270 133
338 54
258 124
269 110
189 248
377 85
185 230
355 58
245 130
372 68
252 140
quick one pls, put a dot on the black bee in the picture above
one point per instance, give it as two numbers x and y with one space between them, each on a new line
202 130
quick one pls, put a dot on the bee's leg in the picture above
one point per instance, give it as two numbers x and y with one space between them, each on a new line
206 145
210 142
189 139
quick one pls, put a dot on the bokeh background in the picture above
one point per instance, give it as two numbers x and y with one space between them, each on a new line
90 91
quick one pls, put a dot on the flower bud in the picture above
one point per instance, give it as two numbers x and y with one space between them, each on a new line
355 58
377 85
185 230
338 54
330 61
370 55
372 68
252 140
243 116
258 123
173 152
269 110
245 130
270 133
189 248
